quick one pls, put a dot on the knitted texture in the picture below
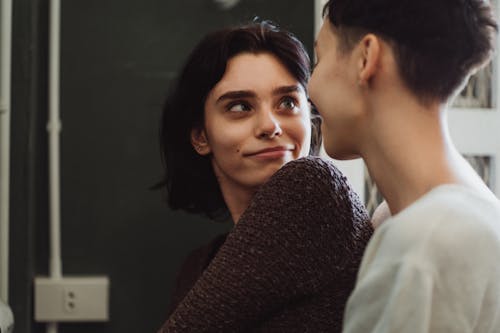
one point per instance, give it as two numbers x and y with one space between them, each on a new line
290 262
192 268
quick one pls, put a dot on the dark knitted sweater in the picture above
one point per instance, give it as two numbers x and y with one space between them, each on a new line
290 262
192 268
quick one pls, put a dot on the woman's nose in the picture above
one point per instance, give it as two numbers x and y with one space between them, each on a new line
268 126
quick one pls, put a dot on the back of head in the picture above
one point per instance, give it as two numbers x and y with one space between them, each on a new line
437 43
189 179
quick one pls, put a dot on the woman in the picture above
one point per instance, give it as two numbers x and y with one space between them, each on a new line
237 115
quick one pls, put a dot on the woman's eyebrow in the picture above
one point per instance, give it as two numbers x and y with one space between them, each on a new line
236 95
287 89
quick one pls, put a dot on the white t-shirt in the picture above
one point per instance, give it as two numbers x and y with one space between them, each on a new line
434 267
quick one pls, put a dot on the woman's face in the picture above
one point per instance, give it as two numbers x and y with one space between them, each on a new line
257 118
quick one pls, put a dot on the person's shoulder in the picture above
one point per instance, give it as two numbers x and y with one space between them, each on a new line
450 207
459 208
315 183
310 163
449 221
311 171
199 258
193 265
470 218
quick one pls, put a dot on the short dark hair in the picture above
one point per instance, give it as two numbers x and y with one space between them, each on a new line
437 43
189 179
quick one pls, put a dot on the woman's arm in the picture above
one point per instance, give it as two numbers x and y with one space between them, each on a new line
304 228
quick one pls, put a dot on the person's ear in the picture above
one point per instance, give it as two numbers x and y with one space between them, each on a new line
369 58
199 141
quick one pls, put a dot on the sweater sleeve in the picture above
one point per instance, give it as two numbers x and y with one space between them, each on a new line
299 234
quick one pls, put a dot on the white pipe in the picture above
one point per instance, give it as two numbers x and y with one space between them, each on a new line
54 129
6 37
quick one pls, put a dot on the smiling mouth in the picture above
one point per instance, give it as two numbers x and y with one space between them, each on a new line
271 153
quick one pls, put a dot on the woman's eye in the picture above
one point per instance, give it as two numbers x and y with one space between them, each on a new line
288 103
238 107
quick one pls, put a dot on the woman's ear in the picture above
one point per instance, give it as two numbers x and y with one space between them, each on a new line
369 58
199 141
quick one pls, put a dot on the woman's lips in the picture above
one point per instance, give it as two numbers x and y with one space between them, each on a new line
271 153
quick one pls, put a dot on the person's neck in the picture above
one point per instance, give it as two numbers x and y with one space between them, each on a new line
237 198
409 152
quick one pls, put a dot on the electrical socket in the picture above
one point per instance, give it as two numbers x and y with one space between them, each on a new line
71 302
74 299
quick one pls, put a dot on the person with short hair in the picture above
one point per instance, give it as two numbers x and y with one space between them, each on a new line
236 135
386 71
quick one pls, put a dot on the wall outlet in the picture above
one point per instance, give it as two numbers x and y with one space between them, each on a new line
74 299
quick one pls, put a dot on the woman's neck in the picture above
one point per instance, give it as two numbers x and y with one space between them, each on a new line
237 199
